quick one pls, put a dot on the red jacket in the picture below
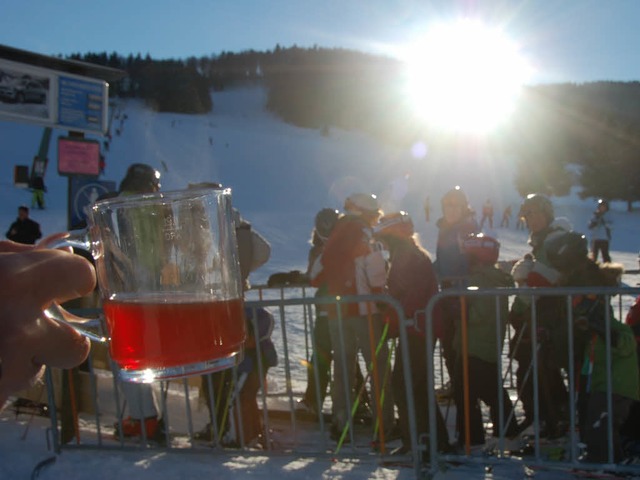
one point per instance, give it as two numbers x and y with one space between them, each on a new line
349 240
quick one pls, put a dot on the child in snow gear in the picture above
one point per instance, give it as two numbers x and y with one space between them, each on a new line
482 349
593 324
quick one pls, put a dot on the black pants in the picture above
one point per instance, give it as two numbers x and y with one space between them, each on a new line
553 399
417 359
601 246
320 360
594 426
450 315
483 385
323 356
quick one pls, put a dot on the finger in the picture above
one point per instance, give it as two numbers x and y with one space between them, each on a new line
59 345
7 246
45 275
51 239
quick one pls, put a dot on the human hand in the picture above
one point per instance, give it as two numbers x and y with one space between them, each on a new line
32 279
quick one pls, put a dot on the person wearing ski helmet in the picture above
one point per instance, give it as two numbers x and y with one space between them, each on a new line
323 224
320 363
451 264
536 271
352 264
140 398
411 279
600 228
483 348
594 321
140 178
481 249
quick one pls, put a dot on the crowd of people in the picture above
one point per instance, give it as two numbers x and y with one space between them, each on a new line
347 260
365 251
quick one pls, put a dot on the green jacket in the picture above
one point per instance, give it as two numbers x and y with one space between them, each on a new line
482 315
624 363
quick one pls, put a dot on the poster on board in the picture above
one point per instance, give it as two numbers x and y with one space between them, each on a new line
78 157
25 92
53 98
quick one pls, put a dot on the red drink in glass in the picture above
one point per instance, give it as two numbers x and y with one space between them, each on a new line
149 333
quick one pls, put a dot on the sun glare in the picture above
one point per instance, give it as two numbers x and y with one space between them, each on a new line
464 76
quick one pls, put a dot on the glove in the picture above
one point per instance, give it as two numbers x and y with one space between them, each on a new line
521 270
542 275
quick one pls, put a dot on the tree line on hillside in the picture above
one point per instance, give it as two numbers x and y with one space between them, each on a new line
560 135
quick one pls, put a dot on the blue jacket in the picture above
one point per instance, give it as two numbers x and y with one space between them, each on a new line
450 260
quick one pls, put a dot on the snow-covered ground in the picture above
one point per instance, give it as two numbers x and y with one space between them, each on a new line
281 176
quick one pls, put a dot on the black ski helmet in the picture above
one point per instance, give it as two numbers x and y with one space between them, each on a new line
540 202
325 221
455 196
140 178
565 249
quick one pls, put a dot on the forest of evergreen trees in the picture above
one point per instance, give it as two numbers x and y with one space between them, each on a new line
560 135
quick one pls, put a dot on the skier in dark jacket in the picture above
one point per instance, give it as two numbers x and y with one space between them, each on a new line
24 230
457 222
411 280
535 271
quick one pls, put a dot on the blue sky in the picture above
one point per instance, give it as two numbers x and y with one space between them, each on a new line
565 40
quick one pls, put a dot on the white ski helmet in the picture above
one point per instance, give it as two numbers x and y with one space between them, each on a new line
362 203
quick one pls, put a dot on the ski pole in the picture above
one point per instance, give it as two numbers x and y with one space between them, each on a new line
525 379
376 378
226 408
354 407
384 382
512 354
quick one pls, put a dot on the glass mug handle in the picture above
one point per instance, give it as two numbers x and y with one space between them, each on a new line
79 239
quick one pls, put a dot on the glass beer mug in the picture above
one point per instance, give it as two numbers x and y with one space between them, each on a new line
169 277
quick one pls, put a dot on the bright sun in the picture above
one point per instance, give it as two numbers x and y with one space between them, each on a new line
464 76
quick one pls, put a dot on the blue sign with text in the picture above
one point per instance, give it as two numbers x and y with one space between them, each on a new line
81 104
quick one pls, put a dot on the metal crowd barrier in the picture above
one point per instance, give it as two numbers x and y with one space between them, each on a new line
286 429
572 463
